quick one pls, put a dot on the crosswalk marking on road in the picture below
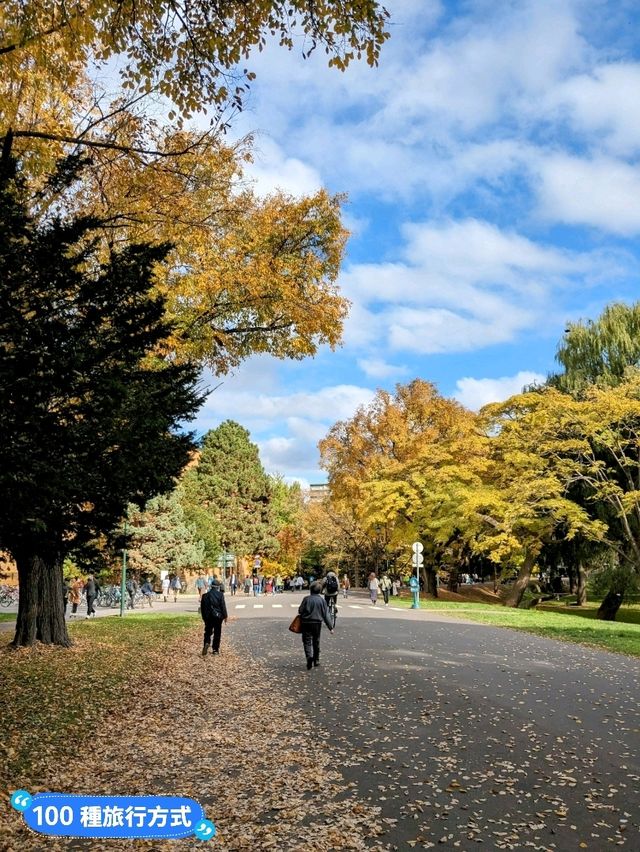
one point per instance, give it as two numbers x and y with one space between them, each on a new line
240 606
258 606
295 606
277 606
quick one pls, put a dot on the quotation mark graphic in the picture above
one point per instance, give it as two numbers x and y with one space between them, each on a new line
21 800
205 830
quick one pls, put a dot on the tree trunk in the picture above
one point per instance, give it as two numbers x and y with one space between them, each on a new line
581 590
610 606
571 572
40 606
520 586
430 582
495 579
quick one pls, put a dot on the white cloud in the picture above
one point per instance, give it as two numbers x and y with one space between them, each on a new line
461 286
604 105
273 170
474 393
377 368
600 192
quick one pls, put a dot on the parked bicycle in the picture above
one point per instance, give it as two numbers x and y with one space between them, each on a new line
8 595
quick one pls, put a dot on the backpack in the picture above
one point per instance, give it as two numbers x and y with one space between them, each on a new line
332 585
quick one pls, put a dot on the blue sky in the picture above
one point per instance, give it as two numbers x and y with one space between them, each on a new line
491 164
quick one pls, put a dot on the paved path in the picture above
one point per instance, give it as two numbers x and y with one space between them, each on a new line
466 736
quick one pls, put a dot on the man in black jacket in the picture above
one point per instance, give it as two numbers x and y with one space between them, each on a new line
313 611
91 590
213 609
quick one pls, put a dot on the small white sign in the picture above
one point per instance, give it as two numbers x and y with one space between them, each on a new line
417 547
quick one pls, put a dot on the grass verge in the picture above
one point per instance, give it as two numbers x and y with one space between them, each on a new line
623 638
55 701
7 616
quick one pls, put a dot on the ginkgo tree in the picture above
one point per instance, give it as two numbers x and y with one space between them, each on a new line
382 462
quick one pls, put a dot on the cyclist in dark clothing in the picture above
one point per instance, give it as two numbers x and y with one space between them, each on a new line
213 609
313 611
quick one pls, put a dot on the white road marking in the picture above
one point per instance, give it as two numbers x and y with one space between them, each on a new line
295 606
277 606
240 606
354 606
396 608
258 606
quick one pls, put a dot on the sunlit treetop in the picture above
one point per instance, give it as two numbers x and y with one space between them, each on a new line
192 53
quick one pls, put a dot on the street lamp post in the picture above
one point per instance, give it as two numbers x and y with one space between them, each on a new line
123 581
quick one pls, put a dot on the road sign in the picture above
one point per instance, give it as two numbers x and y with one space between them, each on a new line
417 560
417 547
227 560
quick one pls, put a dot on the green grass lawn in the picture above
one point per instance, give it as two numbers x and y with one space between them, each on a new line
555 621
616 636
7 616
54 700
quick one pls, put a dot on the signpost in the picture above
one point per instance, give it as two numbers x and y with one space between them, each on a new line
416 560
227 560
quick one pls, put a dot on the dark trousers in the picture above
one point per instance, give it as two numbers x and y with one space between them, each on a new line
311 639
90 600
385 595
213 625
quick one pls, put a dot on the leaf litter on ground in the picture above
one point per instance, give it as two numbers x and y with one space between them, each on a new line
213 729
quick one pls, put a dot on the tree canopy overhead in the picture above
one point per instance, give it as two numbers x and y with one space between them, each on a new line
190 53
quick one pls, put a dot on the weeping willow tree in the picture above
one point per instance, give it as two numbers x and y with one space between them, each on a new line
604 352
599 351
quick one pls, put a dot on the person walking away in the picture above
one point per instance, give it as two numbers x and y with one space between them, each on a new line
147 591
346 585
75 595
92 589
165 588
233 584
213 609
313 611
201 586
385 585
373 587
394 588
175 586
132 588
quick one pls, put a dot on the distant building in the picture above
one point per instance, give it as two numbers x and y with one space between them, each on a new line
318 493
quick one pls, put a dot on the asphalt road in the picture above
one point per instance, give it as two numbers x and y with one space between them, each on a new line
467 736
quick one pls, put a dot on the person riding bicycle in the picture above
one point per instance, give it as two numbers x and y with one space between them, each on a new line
331 587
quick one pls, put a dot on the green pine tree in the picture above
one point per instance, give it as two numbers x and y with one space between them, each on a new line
161 539
90 420
234 489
